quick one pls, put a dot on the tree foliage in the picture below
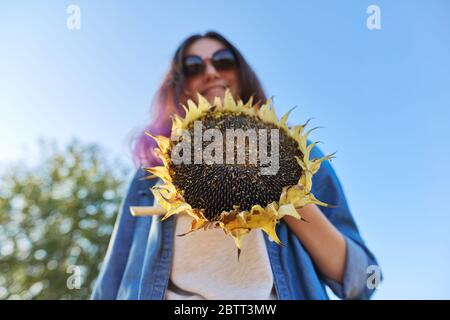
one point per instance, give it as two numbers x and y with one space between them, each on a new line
56 220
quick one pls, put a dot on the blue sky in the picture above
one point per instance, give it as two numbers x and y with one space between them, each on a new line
383 97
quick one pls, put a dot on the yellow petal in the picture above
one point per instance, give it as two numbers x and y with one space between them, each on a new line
249 103
164 143
203 104
177 122
237 235
266 219
196 225
161 172
218 102
309 148
316 163
175 210
292 194
160 199
229 103
313 200
231 220
283 121
288 210
266 112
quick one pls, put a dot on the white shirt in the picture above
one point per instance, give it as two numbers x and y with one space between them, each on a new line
205 265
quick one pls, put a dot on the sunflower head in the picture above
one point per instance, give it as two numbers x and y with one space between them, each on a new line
234 166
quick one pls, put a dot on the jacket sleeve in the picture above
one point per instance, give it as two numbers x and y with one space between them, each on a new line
114 263
361 265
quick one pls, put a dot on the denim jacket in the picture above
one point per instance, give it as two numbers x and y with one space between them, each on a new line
138 261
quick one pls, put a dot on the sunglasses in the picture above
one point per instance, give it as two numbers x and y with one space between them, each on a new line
222 59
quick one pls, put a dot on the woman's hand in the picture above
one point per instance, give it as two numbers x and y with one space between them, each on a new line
324 243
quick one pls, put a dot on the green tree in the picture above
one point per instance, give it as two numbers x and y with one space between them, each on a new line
54 216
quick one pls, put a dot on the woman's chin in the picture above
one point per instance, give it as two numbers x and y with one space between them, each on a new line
214 92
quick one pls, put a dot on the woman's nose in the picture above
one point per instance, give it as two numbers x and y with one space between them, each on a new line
210 71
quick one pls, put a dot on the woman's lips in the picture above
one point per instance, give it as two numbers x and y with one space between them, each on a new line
213 89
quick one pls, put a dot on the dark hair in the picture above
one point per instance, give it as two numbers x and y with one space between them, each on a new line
167 98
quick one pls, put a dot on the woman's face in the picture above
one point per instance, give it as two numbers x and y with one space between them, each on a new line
211 82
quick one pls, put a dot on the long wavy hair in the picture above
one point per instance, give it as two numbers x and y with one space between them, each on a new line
169 97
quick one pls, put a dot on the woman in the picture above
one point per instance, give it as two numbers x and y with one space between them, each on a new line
146 261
